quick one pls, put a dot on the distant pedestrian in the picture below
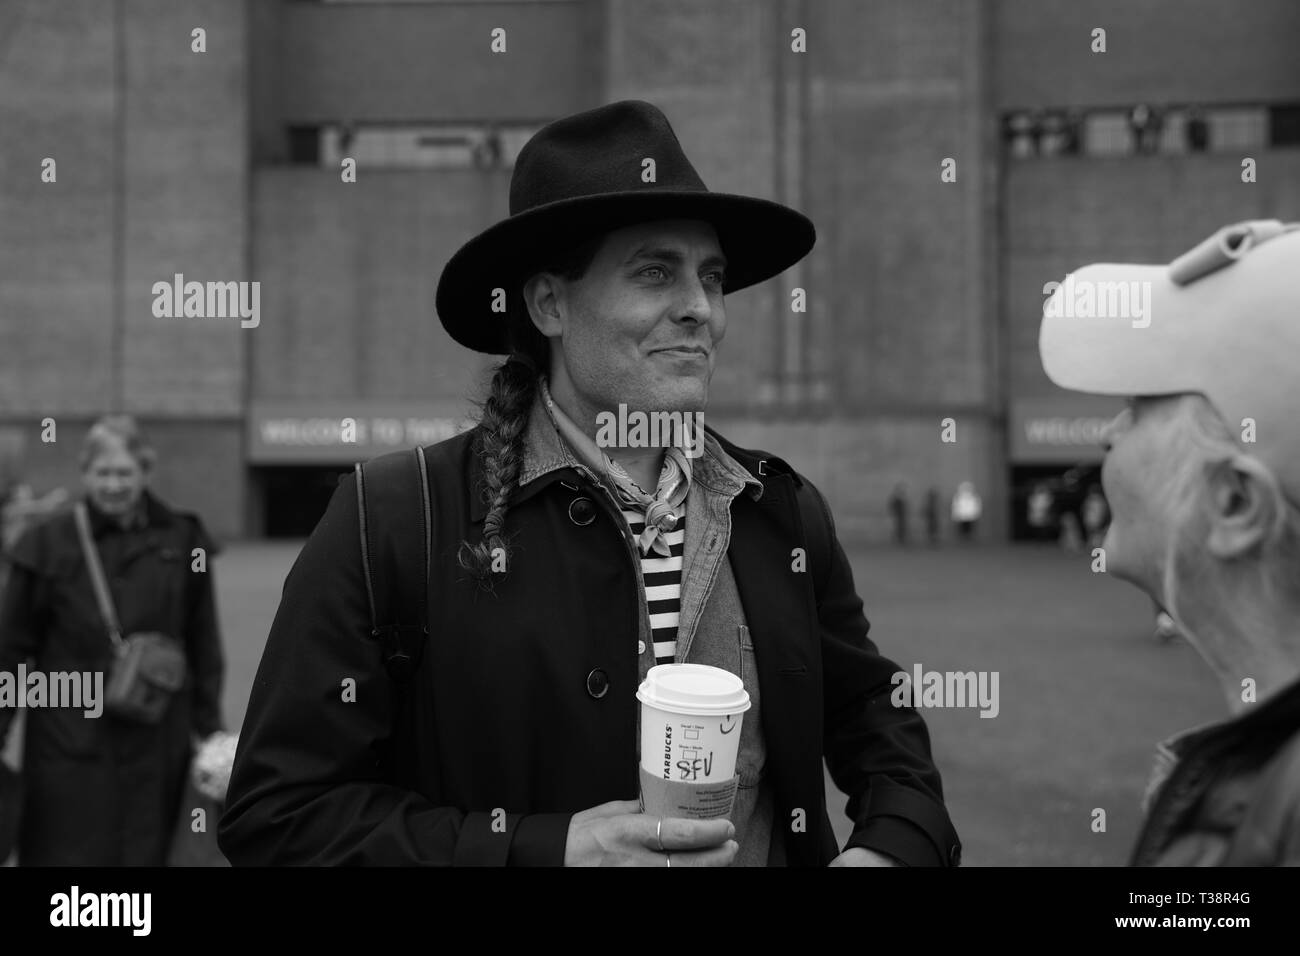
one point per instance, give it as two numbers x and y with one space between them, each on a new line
1039 511
931 512
100 789
1197 130
1145 126
966 508
1096 516
898 512
1073 134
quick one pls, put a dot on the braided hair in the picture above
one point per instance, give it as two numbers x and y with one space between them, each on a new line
504 415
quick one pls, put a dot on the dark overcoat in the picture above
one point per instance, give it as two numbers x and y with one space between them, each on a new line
506 735
97 791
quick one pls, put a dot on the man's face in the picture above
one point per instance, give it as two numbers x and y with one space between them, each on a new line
642 326
114 481
1141 460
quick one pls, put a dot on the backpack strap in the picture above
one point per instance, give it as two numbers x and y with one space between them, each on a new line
392 489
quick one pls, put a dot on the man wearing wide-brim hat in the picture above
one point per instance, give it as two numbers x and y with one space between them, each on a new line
1202 475
570 558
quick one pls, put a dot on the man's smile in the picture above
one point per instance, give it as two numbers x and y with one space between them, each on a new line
686 353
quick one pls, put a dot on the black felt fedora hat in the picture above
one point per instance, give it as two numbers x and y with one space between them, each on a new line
582 175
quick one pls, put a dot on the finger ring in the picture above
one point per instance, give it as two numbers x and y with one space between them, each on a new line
658 827
668 860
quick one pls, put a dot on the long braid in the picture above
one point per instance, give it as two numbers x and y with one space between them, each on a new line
501 447
504 421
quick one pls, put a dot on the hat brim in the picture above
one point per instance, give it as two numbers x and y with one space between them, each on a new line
759 238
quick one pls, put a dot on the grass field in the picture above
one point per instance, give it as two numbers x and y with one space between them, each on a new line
1085 691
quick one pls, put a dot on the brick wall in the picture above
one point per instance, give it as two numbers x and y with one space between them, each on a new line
349 272
177 203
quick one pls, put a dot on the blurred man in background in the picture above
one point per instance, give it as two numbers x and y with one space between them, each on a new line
1202 474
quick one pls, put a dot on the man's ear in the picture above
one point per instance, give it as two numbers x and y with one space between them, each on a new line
1243 502
541 293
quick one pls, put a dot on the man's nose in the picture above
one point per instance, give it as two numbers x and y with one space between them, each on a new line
695 304
1112 430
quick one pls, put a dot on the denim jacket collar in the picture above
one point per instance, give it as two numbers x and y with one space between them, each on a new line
545 450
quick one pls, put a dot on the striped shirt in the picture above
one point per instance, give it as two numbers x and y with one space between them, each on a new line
663 585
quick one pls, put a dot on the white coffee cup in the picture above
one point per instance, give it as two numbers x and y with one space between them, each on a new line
690 738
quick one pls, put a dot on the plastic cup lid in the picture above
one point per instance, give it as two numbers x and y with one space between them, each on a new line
693 689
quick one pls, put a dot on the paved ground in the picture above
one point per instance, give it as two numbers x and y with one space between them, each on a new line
1084 689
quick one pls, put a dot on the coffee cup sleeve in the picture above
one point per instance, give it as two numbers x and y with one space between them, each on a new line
712 800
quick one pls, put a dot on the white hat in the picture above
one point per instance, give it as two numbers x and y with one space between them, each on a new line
1222 320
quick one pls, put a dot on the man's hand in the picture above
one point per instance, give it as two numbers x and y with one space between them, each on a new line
619 834
861 856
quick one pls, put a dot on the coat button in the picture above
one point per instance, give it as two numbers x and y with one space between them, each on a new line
582 511
640 647
597 683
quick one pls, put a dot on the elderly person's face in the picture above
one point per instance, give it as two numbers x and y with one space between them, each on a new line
1142 454
114 480
642 326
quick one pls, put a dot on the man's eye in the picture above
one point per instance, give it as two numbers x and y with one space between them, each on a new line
719 277
654 269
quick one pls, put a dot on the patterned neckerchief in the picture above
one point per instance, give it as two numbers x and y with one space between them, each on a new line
661 510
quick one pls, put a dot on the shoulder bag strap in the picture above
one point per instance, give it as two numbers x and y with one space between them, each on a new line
102 596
